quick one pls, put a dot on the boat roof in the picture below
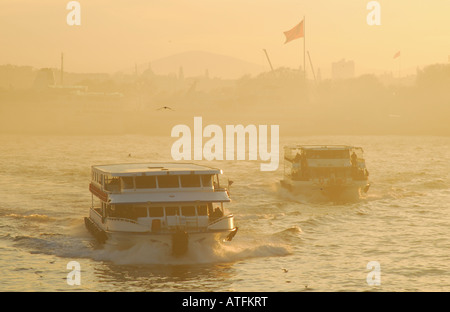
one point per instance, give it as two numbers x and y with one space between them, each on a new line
322 147
131 169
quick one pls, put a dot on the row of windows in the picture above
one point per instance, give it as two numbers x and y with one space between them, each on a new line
135 211
97 177
327 172
167 181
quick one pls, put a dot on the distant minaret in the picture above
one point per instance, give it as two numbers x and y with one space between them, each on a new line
62 68
181 73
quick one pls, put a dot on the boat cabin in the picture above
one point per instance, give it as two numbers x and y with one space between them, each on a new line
158 195
136 177
305 163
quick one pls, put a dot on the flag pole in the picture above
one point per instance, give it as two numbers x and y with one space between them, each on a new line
304 47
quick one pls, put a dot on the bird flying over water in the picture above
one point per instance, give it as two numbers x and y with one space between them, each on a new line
165 107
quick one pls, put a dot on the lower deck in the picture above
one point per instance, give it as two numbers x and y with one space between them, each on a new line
161 219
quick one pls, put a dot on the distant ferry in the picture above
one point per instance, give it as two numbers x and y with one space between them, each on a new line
337 172
169 203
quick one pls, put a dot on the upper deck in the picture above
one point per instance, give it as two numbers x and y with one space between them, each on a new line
323 155
322 151
153 169
144 182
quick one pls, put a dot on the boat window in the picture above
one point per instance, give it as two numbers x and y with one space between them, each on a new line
202 210
206 180
210 209
327 154
156 212
145 182
168 181
319 172
97 178
112 184
122 211
341 172
171 211
188 211
127 182
130 211
138 212
190 180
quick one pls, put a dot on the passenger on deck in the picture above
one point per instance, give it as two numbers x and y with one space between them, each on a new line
217 214
354 159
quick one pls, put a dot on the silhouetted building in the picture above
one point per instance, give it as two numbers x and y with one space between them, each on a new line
343 69
44 78
148 73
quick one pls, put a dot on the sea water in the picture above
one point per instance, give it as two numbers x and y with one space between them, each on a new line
285 242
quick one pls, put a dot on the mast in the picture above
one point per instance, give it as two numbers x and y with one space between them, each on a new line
268 59
62 68
312 68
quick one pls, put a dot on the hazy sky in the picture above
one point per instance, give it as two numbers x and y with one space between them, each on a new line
114 34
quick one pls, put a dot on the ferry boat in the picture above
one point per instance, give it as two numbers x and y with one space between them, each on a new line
337 172
169 203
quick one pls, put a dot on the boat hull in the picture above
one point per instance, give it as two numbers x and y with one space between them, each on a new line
334 192
178 241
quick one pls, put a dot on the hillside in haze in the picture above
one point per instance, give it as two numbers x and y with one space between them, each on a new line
198 63
129 103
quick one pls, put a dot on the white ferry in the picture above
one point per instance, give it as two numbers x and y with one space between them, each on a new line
169 203
337 172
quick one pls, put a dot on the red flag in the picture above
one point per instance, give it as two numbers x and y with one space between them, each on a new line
295 33
397 54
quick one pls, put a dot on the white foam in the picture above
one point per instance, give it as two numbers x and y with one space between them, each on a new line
153 253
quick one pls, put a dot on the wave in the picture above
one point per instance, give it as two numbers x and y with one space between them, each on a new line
36 245
262 216
289 234
435 184
80 244
313 197
292 230
156 254
32 217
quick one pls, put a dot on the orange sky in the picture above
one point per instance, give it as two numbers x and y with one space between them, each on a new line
116 34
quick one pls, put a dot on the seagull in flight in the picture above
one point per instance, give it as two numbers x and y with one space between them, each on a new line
165 107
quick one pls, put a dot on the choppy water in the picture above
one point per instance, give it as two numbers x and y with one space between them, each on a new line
403 224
